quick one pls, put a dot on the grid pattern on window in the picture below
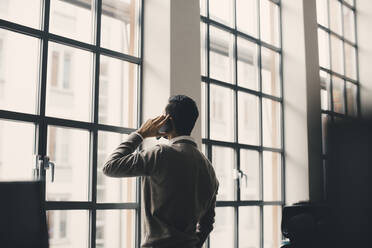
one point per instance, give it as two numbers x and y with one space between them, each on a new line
242 118
70 77
338 61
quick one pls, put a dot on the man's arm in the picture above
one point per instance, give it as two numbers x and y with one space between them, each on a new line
124 162
205 225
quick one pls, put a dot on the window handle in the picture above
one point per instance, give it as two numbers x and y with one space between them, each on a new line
240 175
44 163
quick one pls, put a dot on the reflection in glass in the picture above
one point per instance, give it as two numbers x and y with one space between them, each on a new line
272 220
325 121
221 55
269 20
249 164
69 82
23 12
117 93
112 189
322 12
72 19
270 72
68 228
350 61
351 94
338 95
17 155
221 11
221 113
271 123
248 119
246 16
323 46
120 27
335 16
223 163
19 71
223 232
249 227
349 24
115 228
272 172
325 90
69 149
337 58
247 64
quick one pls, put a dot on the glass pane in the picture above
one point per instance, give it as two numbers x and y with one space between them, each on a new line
272 173
349 24
335 16
338 95
325 90
115 228
203 110
271 123
203 7
247 64
272 221
68 228
223 232
351 2
12 165
352 99
69 149
322 12
18 53
350 61
23 12
249 164
221 11
117 93
248 119
221 55
203 48
112 189
270 72
337 55
221 113
269 20
323 40
72 19
246 16
120 26
69 83
249 227
223 163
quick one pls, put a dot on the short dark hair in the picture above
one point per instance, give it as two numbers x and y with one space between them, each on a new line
184 113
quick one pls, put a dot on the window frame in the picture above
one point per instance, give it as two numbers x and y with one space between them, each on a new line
206 80
41 121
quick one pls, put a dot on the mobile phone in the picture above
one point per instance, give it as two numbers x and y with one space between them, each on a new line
167 127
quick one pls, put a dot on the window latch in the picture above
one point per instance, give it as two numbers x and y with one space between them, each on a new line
44 163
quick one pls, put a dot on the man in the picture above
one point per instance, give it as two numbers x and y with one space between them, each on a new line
179 183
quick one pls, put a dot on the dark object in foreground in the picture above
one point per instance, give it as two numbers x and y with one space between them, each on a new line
345 218
22 217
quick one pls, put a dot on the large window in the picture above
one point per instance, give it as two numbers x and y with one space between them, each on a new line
242 117
338 62
69 87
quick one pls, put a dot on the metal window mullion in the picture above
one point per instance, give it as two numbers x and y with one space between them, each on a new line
94 133
357 60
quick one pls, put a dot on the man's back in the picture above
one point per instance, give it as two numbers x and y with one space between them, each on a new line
179 190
